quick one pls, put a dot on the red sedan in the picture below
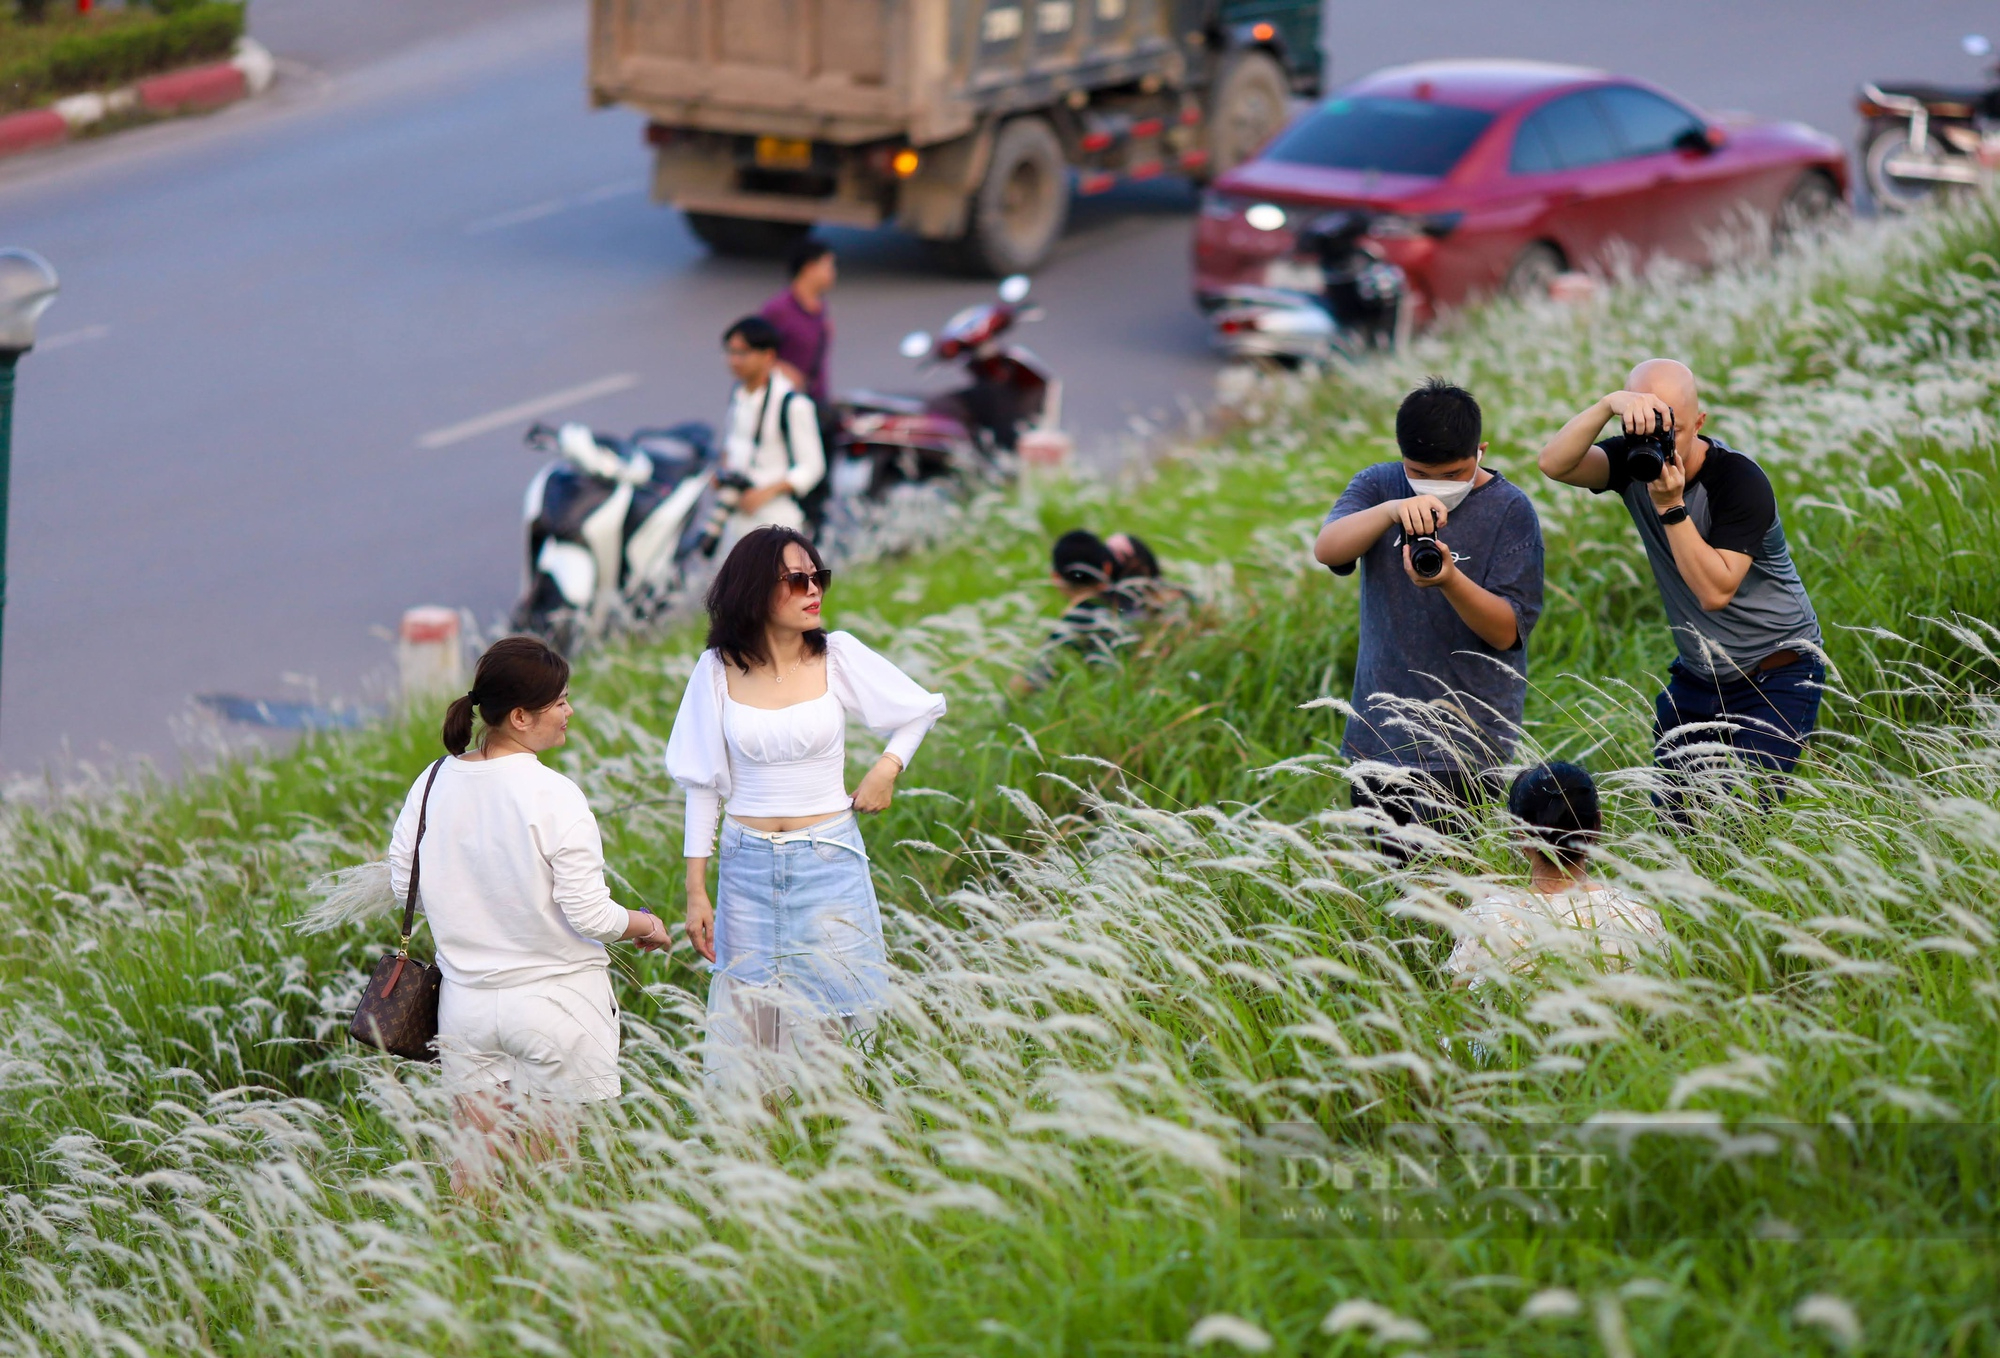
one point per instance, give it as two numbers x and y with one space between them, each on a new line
1491 175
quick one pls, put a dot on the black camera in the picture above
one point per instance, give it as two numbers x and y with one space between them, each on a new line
1427 555
1647 455
729 488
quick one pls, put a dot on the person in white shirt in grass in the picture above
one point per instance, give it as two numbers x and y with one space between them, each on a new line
794 934
513 888
1564 911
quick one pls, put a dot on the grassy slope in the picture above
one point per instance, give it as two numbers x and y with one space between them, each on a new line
149 974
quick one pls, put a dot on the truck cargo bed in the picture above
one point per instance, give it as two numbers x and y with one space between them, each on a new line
851 71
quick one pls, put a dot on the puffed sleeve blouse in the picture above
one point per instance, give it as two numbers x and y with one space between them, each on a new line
868 687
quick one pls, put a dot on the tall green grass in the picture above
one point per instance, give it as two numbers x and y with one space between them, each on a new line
1131 917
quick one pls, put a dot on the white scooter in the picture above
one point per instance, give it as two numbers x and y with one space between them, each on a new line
614 526
1349 300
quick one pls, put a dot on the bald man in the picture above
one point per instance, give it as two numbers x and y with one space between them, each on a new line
1746 634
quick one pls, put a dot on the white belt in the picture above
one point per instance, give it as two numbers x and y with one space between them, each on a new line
812 834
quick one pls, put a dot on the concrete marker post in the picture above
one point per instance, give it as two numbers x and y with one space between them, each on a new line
430 654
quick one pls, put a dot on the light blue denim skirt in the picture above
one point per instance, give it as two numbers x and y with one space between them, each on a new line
796 914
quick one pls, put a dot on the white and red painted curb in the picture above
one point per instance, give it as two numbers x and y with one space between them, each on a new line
196 88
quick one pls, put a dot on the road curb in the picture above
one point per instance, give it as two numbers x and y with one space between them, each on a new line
195 89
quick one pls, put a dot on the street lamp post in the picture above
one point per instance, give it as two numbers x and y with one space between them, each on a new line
27 286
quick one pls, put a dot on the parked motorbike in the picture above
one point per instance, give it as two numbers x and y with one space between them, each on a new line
614 526
1345 300
969 433
1918 139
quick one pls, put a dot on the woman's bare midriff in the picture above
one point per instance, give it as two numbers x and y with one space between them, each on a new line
784 825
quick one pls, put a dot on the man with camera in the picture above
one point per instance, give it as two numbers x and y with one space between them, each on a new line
1748 670
1451 584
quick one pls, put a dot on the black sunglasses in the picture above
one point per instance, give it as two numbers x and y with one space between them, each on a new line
801 581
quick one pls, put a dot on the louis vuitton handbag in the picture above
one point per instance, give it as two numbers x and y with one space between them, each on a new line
398 1012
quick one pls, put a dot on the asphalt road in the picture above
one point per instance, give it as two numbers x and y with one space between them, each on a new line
219 483
218 478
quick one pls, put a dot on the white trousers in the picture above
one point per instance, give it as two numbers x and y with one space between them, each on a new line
557 1038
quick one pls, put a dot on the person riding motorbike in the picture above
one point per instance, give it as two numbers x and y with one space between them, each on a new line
771 436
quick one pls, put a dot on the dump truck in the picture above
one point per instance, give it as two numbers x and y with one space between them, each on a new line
967 122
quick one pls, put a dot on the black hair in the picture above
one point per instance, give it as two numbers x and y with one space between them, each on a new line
515 672
739 598
755 332
1142 565
806 253
1558 803
1081 558
1438 423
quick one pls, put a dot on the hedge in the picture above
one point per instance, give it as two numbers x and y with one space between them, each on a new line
190 33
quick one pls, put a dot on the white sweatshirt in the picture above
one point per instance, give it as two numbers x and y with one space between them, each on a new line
513 873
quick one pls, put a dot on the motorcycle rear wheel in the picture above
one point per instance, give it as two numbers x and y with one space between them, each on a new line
1892 194
545 613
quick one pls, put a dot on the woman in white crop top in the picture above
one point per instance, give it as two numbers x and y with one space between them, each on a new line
794 936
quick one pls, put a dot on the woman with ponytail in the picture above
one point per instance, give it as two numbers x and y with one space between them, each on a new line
1564 910
513 887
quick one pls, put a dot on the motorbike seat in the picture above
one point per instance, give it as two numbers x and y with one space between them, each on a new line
884 401
1973 96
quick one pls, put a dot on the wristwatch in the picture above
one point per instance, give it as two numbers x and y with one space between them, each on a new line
1670 517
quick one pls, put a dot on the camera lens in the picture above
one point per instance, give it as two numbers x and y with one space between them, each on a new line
1644 462
1426 556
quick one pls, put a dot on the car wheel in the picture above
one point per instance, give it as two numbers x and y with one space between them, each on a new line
1891 193
1251 105
1534 271
1813 204
1020 207
746 236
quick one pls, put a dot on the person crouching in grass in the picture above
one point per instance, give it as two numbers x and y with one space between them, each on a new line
1441 678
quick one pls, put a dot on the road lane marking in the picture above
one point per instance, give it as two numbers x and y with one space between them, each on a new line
534 212
69 337
549 207
527 410
605 193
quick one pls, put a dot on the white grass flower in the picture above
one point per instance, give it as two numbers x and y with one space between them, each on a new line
1387 1326
1552 1303
1227 1329
1832 1316
349 897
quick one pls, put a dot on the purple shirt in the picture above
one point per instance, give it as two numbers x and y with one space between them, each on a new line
803 340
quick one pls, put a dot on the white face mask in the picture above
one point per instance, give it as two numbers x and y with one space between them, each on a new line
1451 493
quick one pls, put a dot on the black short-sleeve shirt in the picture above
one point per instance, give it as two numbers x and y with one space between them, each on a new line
1741 505
1732 506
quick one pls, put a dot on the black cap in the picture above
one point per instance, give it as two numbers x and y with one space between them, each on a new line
1081 558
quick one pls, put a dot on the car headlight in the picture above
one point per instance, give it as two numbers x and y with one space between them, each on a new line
1265 216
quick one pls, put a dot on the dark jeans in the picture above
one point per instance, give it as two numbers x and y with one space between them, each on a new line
1438 799
1764 718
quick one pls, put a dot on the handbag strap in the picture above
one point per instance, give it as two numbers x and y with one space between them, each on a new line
417 861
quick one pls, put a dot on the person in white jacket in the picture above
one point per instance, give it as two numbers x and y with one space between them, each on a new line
772 435
513 887
794 935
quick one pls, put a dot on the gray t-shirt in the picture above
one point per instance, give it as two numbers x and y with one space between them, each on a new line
1415 647
1730 503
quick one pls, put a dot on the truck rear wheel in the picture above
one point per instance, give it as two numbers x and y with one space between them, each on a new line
746 235
1251 103
1018 211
